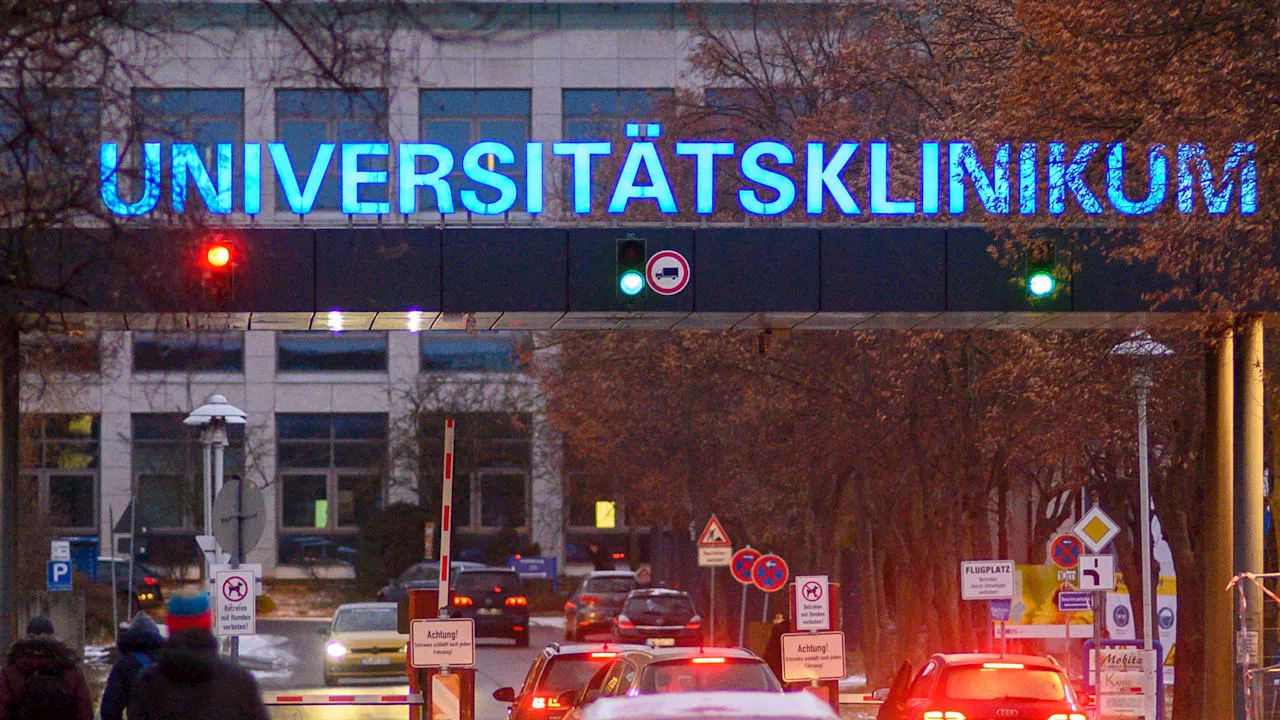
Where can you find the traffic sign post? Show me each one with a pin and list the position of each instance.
(714, 547)
(58, 576)
(812, 603)
(237, 606)
(740, 567)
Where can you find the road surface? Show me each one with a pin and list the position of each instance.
(498, 662)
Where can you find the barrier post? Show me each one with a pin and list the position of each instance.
(422, 606)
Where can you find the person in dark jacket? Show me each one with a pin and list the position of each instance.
(39, 664)
(773, 650)
(600, 558)
(139, 649)
(191, 682)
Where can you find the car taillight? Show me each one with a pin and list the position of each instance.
(150, 581)
(517, 601)
(589, 599)
(570, 607)
(1068, 716)
(1002, 666)
(625, 623)
(694, 624)
(943, 715)
(603, 655)
(463, 601)
(545, 702)
(713, 661)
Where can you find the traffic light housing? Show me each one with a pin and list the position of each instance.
(215, 261)
(1041, 271)
(631, 256)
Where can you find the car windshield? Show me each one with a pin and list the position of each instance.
(477, 582)
(365, 620)
(659, 610)
(422, 572)
(609, 585)
(686, 676)
(570, 672)
(978, 682)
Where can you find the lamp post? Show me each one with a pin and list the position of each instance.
(1139, 344)
(213, 418)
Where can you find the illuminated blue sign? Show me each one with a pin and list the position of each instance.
(773, 177)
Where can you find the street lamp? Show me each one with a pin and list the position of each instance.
(213, 418)
(1140, 344)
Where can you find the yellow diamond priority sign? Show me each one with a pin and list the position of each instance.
(1096, 529)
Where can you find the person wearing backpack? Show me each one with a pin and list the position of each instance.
(139, 649)
(191, 682)
(41, 680)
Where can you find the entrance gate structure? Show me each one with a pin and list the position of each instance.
(754, 278)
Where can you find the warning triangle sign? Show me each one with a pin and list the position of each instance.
(713, 535)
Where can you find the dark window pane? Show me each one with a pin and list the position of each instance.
(462, 501)
(447, 102)
(71, 455)
(162, 502)
(357, 455)
(474, 581)
(502, 501)
(71, 500)
(356, 351)
(162, 426)
(206, 351)
(460, 351)
(503, 102)
(304, 501)
(71, 427)
(303, 455)
(360, 426)
(297, 426)
(59, 354)
(359, 498)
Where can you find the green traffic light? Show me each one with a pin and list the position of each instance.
(631, 283)
(1041, 283)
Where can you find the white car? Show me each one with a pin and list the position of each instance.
(712, 706)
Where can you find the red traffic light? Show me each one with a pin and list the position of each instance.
(218, 255)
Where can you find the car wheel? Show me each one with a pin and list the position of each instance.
(522, 638)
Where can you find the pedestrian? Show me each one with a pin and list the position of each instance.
(773, 649)
(190, 681)
(600, 558)
(139, 649)
(41, 680)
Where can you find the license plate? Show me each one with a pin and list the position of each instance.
(376, 661)
(488, 611)
(663, 642)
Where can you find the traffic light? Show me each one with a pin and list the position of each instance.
(216, 259)
(629, 268)
(1041, 271)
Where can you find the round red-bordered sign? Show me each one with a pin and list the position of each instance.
(1065, 551)
(770, 573)
(667, 272)
(740, 565)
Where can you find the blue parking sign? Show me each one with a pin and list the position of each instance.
(59, 576)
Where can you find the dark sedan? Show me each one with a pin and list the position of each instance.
(495, 599)
(659, 616)
(146, 581)
(596, 603)
(421, 576)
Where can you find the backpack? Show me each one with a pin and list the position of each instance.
(45, 695)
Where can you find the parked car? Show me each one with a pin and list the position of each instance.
(661, 615)
(421, 576)
(363, 642)
(596, 603)
(712, 706)
(559, 669)
(982, 686)
(657, 671)
(146, 581)
(495, 599)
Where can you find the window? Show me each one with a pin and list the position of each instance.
(458, 119)
(60, 461)
(59, 353)
(600, 115)
(168, 467)
(331, 480)
(491, 466)
(683, 676)
(307, 118)
(978, 682)
(190, 352)
(463, 352)
(318, 352)
(204, 118)
(48, 143)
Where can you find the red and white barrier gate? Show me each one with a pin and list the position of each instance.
(286, 700)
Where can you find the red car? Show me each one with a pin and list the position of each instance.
(983, 687)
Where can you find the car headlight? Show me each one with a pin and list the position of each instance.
(335, 649)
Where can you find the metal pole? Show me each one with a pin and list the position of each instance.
(446, 522)
(115, 602)
(712, 637)
(206, 443)
(742, 619)
(219, 443)
(10, 417)
(133, 537)
(1219, 555)
(764, 616)
(1249, 486)
(1143, 383)
(1099, 612)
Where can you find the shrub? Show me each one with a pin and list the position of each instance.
(389, 543)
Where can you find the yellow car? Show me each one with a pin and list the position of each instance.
(363, 642)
